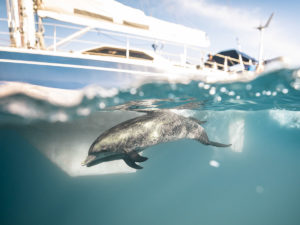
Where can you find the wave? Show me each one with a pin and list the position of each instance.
(23, 102)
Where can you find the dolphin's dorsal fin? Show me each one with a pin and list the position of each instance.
(190, 105)
(197, 121)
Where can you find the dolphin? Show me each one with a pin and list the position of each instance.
(127, 139)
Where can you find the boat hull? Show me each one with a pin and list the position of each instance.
(72, 72)
(75, 71)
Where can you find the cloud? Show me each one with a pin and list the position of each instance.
(242, 22)
(230, 17)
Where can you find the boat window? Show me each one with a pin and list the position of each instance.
(118, 52)
(139, 55)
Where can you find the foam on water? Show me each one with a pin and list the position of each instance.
(285, 118)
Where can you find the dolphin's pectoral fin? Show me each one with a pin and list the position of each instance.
(131, 163)
(197, 121)
(135, 157)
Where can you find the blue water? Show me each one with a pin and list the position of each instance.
(256, 181)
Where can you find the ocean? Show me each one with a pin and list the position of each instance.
(45, 134)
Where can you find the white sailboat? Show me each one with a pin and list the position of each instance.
(106, 43)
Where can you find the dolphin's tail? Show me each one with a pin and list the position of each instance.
(218, 144)
(88, 160)
(203, 138)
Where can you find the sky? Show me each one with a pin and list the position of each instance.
(225, 21)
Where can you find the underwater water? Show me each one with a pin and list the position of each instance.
(44, 138)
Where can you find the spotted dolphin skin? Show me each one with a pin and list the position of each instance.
(127, 139)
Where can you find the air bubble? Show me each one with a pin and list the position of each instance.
(231, 93)
(223, 89)
(200, 84)
(214, 163)
(133, 91)
(212, 91)
(206, 86)
(102, 105)
(248, 87)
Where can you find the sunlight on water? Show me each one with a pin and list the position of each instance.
(236, 135)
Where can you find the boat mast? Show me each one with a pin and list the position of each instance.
(27, 23)
(261, 44)
(21, 23)
(40, 42)
(239, 53)
(13, 23)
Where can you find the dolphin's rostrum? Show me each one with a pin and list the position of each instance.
(127, 139)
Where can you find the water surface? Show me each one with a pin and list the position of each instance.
(255, 181)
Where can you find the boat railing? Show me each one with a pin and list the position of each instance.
(75, 38)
